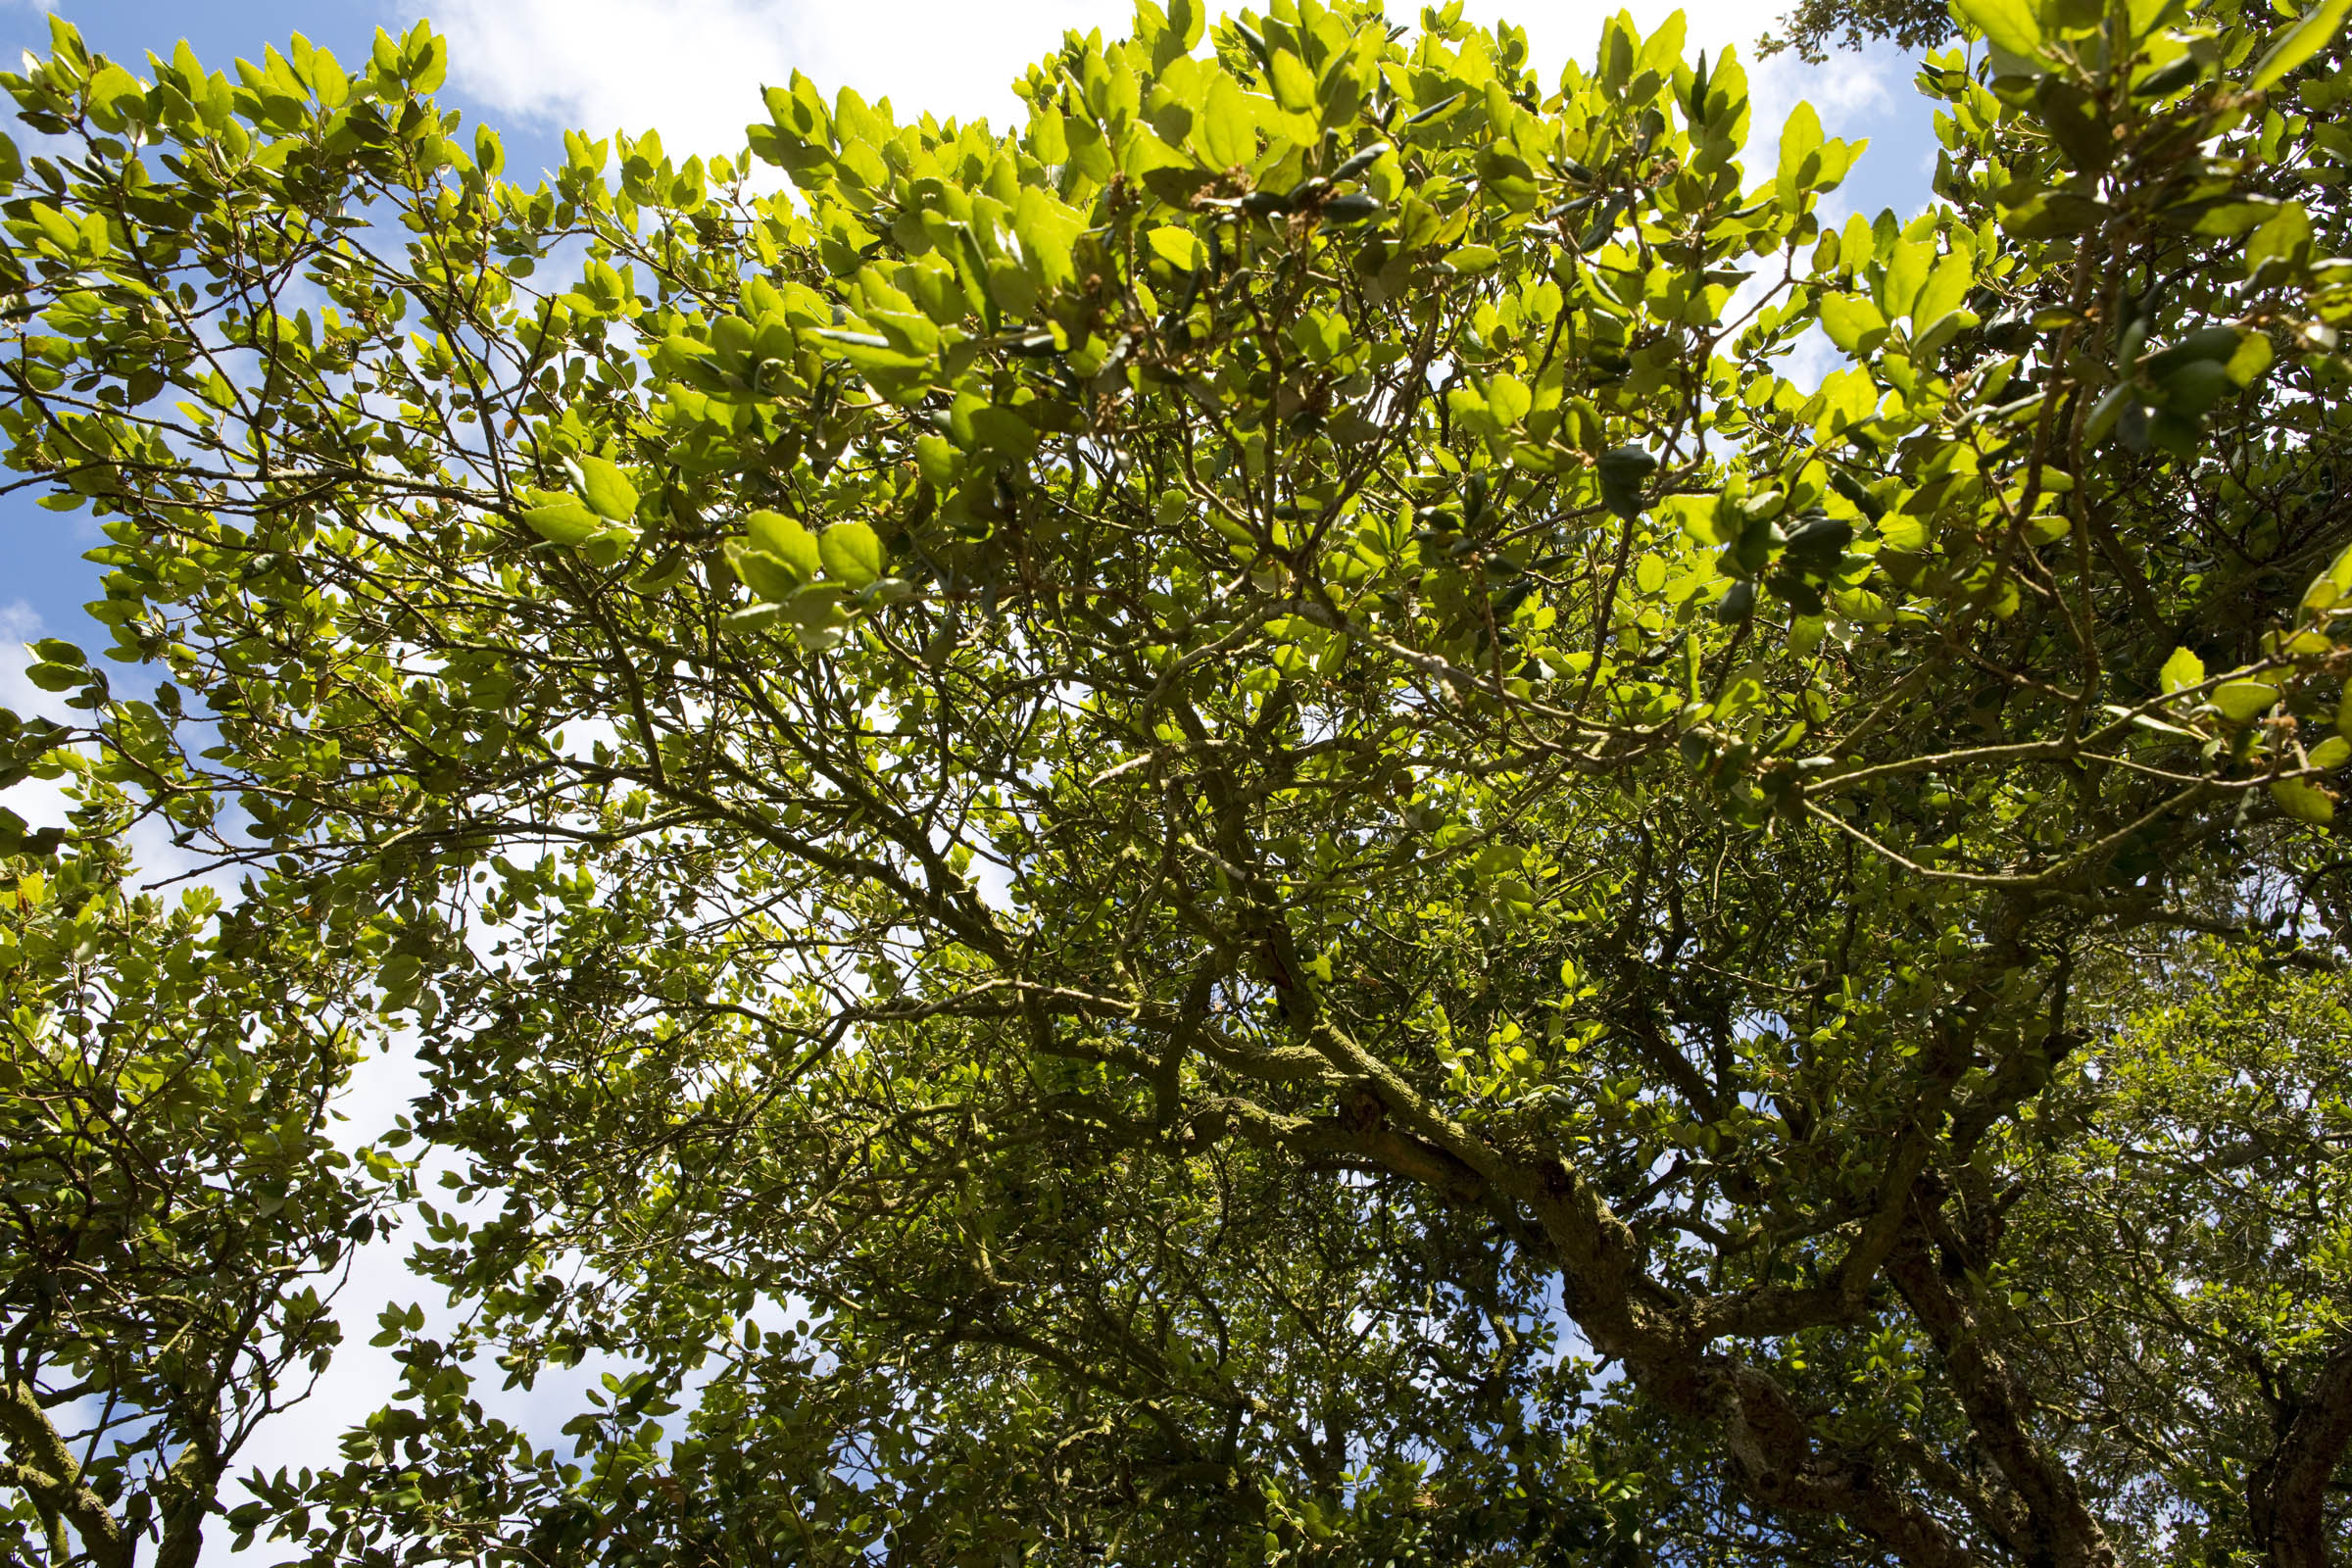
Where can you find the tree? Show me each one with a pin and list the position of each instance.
(1815, 26)
(175, 1214)
(1223, 830)
(2186, 1201)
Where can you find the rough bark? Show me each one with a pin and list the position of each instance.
(2288, 1491)
(45, 1468)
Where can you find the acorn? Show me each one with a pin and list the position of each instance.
(1361, 160)
(1738, 603)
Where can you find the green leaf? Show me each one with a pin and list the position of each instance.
(1945, 289)
(1225, 130)
(1800, 142)
(427, 72)
(2330, 587)
(1622, 470)
(2249, 360)
(2195, 387)
(1509, 398)
(1906, 275)
(2107, 412)
(2243, 700)
(1187, 18)
(816, 607)
(2180, 672)
(2304, 801)
(1004, 432)
(1339, 94)
(1854, 324)
(2331, 753)
(2054, 214)
(1293, 84)
(1179, 248)
(2297, 42)
(785, 539)
(1046, 231)
(563, 518)
(1698, 517)
(2228, 219)
(608, 493)
(115, 95)
(55, 677)
(2285, 237)
(764, 574)
(2009, 24)
(1049, 137)
(2076, 122)
(852, 554)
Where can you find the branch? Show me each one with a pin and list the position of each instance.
(2287, 1492)
(46, 1471)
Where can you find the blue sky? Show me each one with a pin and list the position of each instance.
(692, 68)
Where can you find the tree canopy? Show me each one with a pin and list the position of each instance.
(1346, 806)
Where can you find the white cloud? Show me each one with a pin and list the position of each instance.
(693, 69)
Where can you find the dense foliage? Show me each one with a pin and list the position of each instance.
(1227, 829)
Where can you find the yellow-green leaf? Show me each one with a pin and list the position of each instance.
(2242, 699)
(1945, 289)
(785, 539)
(852, 554)
(1853, 324)
(1224, 128)
(1696, 517)
(1178, 247)
(1906, 273)
(2010, 24)
(608, 493)
(2180, 672)
(563, 519)
(1293, 84)
(1800, 139)
(2330, 587)
(772, 579)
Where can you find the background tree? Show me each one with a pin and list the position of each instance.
(176, 1212)
(1814, 27)
(1235, 790)
(2186, 1201)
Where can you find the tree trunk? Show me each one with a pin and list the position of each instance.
(2287, 1493)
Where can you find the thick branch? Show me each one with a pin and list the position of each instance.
(45, 1468)
(2287, 1492)
(2060, 1529)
